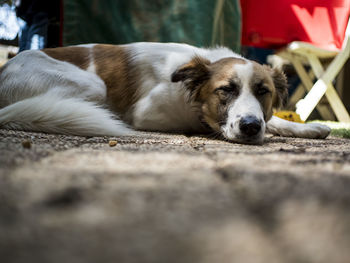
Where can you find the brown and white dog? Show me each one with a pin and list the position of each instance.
(113, 90)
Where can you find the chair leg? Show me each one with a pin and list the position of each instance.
(330, 92)
(340, 83)
(306, 79)
(296, 96)
(336, 104)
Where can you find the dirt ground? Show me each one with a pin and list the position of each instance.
(173, 198)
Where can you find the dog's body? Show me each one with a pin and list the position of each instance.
(149, 86)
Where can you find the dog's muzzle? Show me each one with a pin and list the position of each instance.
(247, 129)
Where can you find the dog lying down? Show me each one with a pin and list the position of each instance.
(97, 89)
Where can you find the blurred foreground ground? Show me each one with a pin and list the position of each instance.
(173, 198)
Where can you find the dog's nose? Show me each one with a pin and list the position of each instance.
(250, 125)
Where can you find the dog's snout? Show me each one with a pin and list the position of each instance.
(250, 125)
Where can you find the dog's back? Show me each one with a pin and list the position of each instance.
(39, 93)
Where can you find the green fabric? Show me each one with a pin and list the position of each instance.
(196, 22)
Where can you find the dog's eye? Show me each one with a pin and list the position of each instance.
(224, 88)
(261, 88)
(230, 88)
(262, 91)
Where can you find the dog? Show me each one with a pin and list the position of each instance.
(113, 90)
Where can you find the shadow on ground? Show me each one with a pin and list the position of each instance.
(172, 198)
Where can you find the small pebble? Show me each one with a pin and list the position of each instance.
(26, 144)
(112, 143)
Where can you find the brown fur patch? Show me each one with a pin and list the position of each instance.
(113, 66)
(79, 56)
(275, 81)
(262, 81)
(281, 85)
(194, 74)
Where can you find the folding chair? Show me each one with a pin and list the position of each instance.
(320, 25)
(297, 52)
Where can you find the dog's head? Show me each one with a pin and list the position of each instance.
(236, 96)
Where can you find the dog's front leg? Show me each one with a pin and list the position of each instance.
(286, 128)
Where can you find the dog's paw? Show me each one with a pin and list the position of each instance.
(315, 131)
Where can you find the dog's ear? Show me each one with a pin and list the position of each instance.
(281, 85)
(193, 73)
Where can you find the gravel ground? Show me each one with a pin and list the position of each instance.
(173, 198)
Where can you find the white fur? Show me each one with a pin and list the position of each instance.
(245, 105)
(164, 109)
(52, 113)
(92, 67)
(286, 128)
(33, 73)
(91, 45)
